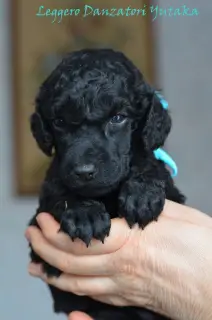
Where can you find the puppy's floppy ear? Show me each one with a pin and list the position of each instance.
(157, 125)
(41, 134)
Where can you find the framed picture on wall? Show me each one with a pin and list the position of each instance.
(39, 43)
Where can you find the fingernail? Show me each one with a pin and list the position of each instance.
(27, 235)
(34, 269)
(40, 218)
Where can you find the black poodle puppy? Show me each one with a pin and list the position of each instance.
(100, 121)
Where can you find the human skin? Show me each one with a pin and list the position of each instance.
(167, 267)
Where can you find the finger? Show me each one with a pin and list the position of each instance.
(76, 315)
(66, 262)
(181, 212)
(78, 285)
(119, 234)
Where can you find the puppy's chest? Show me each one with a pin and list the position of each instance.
(111, 204)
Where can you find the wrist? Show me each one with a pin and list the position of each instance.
(179, 276)
(179, 297)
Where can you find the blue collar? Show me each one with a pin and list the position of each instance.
(160, 154)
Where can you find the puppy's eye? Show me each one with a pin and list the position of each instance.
(58, 122)
(118, 118)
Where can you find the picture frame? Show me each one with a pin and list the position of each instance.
(39, 44)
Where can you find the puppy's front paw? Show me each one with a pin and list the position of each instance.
(86, 221)
(141, 202)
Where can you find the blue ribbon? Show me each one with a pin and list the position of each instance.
(159, 153)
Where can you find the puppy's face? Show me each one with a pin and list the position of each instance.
(90, 112)
(92, 141)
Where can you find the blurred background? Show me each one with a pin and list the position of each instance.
(175, 56)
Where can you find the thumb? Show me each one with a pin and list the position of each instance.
(76, 315)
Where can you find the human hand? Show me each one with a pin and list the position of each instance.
(140, 268)
(79, 316)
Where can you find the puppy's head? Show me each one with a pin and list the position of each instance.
(97, 112)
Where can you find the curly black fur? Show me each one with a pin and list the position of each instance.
(103, 122)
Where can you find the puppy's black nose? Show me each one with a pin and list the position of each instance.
(86, 172)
